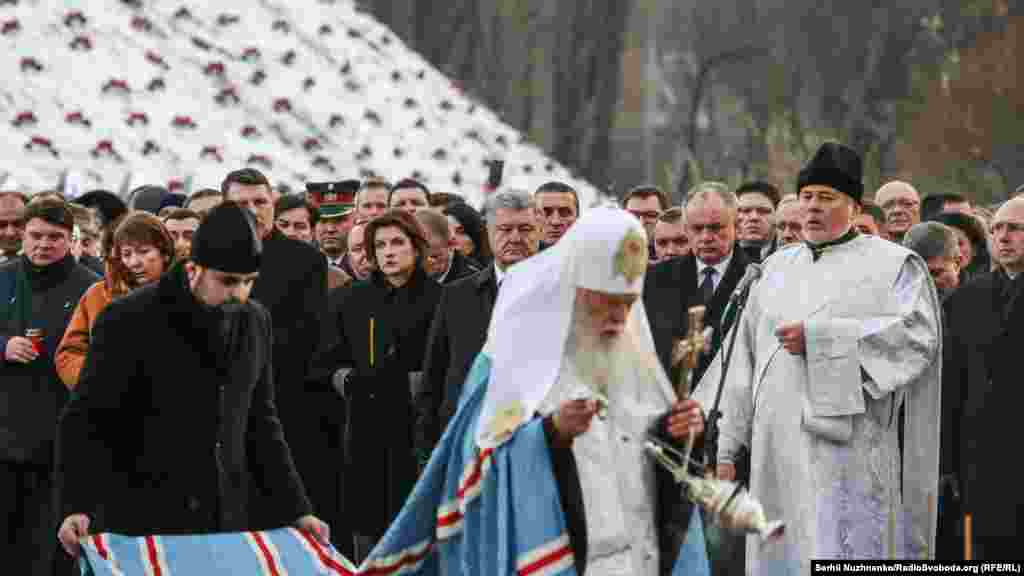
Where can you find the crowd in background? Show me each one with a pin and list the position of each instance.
(380, 295)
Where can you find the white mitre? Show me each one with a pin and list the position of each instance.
(604, 251)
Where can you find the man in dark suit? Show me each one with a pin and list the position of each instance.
(460, 324)
(986, 320)
(706, 277)
(174, 415)
(292, 285)
(38, 290)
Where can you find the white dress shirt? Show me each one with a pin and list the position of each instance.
(719, 268)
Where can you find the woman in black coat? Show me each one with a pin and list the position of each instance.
(383, 324)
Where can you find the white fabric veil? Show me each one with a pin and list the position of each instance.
(605, 251)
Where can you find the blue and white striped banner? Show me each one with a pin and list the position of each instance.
(282, 552)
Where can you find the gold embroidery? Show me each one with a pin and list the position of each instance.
(631, 259)
(505, 421)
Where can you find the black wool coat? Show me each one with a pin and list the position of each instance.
(986, 324)
(670, 289)
(380, 469)
(173, 421)
(461, 267)
(457, 335)
(292, 286)
(31, 395)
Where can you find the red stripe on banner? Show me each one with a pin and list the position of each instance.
(325, 558)
(154, 559)
(544, 561)
(472, 480)
(101, 548)
(262, 545)
(449, 519)
(474, 477)
(401, 563)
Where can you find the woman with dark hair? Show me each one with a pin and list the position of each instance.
(382, 333)
(973, 240)
(140, 251)
(469, 232)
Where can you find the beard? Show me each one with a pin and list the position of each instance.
(601, 363)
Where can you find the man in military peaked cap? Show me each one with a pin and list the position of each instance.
(175, 417)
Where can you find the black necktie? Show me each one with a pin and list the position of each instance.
(707, 286)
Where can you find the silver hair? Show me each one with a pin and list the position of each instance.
(509, 200)
(931, 239)
(700, 193)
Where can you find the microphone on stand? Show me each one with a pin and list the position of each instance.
(752, 274)
(738, 299)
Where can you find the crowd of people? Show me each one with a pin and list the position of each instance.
(238, 359)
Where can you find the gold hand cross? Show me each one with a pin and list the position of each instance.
(687, 351)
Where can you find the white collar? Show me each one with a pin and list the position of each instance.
(720, 268)
(442, 277)
(499, 274)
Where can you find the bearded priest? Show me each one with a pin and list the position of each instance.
(542, 471)
(834, 387)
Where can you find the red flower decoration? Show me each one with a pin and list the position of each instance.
(81, 43)
(10, 27)
(141, 23)
(183, 122)
(116, 84)
(25, 118)
(137, 118)
(282, 105)
(30, 63)
(259, 159)
(211, 152)
(214, 69)
(74, 17)
(77, 118)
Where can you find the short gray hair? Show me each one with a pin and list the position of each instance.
(508, 200)
(700, 193)
(931, 239)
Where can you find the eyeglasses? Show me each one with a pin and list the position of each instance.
(645, 215)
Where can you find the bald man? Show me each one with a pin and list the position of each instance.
(986, 325)
(789, 220)
(901, 204)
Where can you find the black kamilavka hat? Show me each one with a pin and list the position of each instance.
(227, 241)
(836, 166)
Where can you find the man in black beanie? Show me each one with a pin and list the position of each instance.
(839, 333)
(174, 418)
(292, 286)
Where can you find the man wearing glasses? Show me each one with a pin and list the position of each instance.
(902, 207)
(647, 203)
